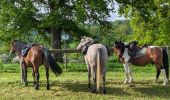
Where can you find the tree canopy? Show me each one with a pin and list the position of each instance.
(150, 20)
(19, 18)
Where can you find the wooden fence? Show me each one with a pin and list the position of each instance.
(65, 51)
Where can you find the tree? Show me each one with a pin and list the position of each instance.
(150, 20)
(19, 17)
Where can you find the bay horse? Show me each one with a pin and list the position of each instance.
(95, 57)
(38, 55)
(153, 54)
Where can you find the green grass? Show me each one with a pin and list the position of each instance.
(72, 85)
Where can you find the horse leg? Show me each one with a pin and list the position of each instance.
(89, 75)
(47, 77)
(33, 75)
(25, 75)
(126, 67)
(22, 71)
(89, 71)
(130, 74)
(104, 80)
(36, 78)
(157, 74)
(94, 80)
(164, 76)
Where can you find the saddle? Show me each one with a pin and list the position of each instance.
(135, 51)
(84, 51)
(85, 48)
(26, 48)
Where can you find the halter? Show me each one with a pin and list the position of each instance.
(85, 43)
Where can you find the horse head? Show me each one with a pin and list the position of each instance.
(119, 49)
(16, 46)
(132, 45)
(13, 48)
(83, 42)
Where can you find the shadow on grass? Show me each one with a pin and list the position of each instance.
(81, 87)
(154, 90)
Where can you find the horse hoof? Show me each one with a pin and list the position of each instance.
(156, 81)
(26, 84)
(89, 86)
(94, 91)
(34, 83)
(36, 87)
(125, 82)
(164, 84)
(104, 91)
(48, 87)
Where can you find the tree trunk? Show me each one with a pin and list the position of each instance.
(56, 43)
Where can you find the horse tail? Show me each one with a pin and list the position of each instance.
(99, 67)
(166, 63)
(53, 65)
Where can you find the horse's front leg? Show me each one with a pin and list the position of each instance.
(126, 68)
(25, 74)
(89, 72)
(21, 69)
(89, 76)
(130, 73)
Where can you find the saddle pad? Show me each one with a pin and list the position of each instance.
(141, 52)
(26, 48)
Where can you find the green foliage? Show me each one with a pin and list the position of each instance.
(117, 30)
(150, 20)
(20, 18)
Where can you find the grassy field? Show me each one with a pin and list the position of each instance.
(72, 85)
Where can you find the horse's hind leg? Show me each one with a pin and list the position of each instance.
(157, 74)
(47, 73)
(104, 80)
(47, 77)
(126, 67)
(164, 75)
(36, 78)
(94, 80)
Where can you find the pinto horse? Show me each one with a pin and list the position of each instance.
(153, 54)
(36, 56)
(95, 57)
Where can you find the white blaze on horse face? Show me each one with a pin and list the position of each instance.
(126, 56)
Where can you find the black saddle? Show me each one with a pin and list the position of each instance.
(26, 48)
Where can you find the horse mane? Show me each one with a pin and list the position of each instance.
(19, 46)
(19, 41)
